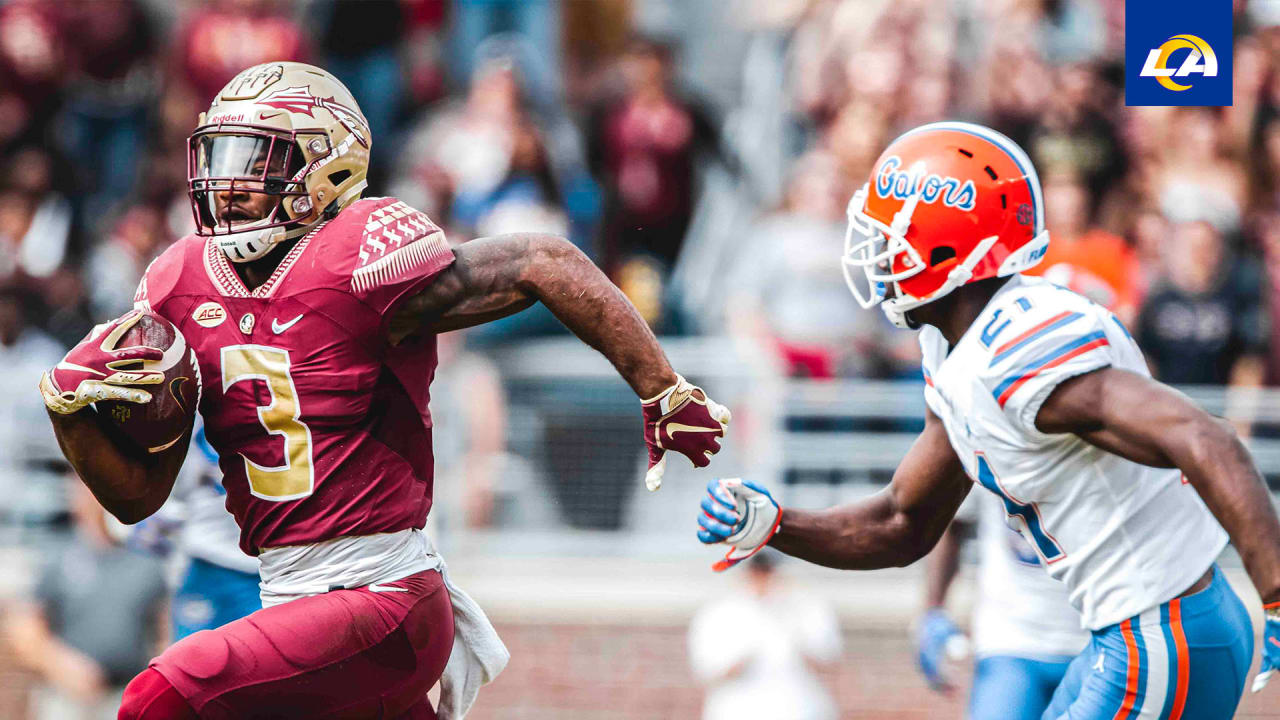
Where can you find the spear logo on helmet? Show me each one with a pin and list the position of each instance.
(300, 100)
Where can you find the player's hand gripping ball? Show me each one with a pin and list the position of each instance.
(681, 418)
(138, 371)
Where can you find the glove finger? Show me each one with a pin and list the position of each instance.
(137, 352)
(707, 538)
(714, 527)
(103, 391)
(712, 507)
(1261, 679)
(758, 488)
(722, 495)
(131, 377)
(699, 459)
(653, 477)
(719, 412)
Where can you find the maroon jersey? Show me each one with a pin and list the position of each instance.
(321, 426)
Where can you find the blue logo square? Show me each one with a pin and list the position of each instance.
(1177, 52)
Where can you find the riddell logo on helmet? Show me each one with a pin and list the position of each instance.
(932, 187)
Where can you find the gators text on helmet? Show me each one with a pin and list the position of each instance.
(947, 204)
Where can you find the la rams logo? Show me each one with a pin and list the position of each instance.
(932, 187)
(1200, 59)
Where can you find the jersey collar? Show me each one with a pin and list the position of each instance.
(225, 279)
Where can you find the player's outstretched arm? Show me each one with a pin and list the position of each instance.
(497, 276)
(493, 277)
(894, 527)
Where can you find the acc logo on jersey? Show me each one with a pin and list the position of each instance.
(1157, 64)
(209, 314)
(932, 187)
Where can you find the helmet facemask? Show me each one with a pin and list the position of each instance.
(886, 258)
(247, 187)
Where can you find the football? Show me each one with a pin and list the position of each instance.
(158, 424)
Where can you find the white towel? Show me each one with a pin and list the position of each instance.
(478, 654)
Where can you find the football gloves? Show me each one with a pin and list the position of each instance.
(1270, 646)
(740, 514)
(681, 418)
(98, 370)
(937, 641)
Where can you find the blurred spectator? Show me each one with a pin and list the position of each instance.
(358, 41)
(32, 62)
(137, 237)
(789, 291)
(1075, 243)
(1197, 180)
(469, 409)
(36, 220)
(1204, 321)
(108, 96)
(643, 146)
(31, 464)
(481, 166)
(538, 21)
(223, 37)
(97, 617)
(756, 649)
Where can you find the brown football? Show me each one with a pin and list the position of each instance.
(159, 423)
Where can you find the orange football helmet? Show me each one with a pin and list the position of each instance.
(947, 204)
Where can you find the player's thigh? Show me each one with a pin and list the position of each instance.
(1219, 641)
(343, 654)
(1013, 688)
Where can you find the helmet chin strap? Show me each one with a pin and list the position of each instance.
(896, 308)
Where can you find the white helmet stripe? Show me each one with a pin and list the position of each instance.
(1002, 141)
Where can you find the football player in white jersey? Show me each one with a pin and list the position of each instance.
(1025, 632)
(1121, 484)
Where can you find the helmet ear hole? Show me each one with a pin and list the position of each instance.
(338, 177)
(940, 255)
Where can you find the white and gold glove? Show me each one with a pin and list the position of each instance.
(97, 370)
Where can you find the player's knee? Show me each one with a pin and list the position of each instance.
(149, 696)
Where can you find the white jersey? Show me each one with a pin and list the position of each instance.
(1123, 537)
(1020, 610)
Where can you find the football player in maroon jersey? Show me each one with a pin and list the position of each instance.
(313, 315)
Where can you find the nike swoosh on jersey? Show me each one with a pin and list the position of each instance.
(674, 428)
(383, 588)
(277, 328)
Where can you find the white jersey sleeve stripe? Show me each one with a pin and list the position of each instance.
(1031, 335)
(1075, 348)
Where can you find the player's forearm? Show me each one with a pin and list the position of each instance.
(1217, 464)
(866, 535)
(125, 483)
(561, 277)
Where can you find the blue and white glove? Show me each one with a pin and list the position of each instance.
(1270, 647)
(939, 640)
(740, 514)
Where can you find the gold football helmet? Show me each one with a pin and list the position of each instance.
(283, 147)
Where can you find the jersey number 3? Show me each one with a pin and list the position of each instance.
(296, 477)
(1049, 549)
